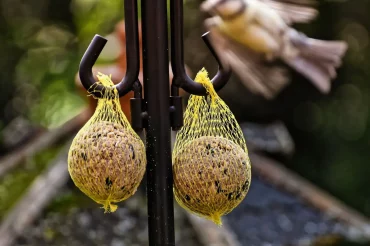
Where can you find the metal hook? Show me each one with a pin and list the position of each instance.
(180, 78)
(132, 50)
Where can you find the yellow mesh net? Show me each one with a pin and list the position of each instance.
(107, 158)
(211, 167)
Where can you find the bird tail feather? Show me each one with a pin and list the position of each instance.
(317, 59)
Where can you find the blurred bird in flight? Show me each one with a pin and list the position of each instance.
(248, 35)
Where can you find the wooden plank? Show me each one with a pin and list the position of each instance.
(282, 177)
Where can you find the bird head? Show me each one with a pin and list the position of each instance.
(224, 8)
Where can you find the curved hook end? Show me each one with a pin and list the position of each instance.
(219, 80)
(99, 38)
(88, 60)
(207, 41)
(224, 73)
(205, 34)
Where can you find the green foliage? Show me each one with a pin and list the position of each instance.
(95, 16)
(45, 74)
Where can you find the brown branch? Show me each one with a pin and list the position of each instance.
(37, 197)
(281, 176)
(43, 141)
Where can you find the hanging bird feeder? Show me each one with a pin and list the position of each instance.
(161, 107)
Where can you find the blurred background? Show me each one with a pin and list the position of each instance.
(42, 44)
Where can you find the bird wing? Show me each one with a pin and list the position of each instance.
(294, 11)
(249, 66)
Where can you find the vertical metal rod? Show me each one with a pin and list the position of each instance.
(158, 132)
(177, 40)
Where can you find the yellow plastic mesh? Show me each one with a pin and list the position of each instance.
(211, 167)
(107, 158)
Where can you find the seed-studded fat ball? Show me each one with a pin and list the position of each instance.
(107, 162)
(211, 176)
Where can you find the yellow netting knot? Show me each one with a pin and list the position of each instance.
(107, 92)
(105, 80)
(109, 207)
(216, 218)
(202, 78)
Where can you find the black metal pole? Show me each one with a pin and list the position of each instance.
(158, 132)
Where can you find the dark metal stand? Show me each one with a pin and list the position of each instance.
(158, 111)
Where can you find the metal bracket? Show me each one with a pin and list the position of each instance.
(132, 50)
(154, 112)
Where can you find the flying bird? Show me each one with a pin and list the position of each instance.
(250, 35)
